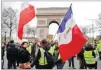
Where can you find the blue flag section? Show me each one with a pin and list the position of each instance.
(65, 19)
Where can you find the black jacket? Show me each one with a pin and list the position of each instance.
(24, 55)
(12, 52)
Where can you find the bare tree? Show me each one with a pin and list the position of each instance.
(9, 20)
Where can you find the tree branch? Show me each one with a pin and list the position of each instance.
(6, 24)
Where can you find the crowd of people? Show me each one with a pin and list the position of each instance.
(45, 55)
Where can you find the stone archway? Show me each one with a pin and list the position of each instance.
(46, 16)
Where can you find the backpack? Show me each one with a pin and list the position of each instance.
(50, 58)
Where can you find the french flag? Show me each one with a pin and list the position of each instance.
(70, 38)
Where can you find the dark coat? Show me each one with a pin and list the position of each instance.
(24, 55)
(12, 52)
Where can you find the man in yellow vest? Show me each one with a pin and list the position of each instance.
(89, 57)
(41, 61)
(99, 49)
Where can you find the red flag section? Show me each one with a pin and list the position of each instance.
(26, 15)
(72, 48)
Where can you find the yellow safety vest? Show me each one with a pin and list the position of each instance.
(89, 59)
(52, 49)
(99, 47)
(29, 49)
(42, 60)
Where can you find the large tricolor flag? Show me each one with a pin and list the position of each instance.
(70, 38)
(27, 14)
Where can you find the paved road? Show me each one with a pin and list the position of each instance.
(76, 62)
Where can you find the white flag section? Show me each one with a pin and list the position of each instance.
(70, 38)
(66, 36)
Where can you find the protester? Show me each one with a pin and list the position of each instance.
(12, 55)
(2, 54)
(24, 57)
(80, 57)
(18, 47)
(89, 56)
(43, 59)
(33, 49)
(71, 62)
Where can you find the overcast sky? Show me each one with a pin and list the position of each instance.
(82, 11)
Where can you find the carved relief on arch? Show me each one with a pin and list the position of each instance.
(42, 22)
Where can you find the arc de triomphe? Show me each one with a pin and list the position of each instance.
(46, 16)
